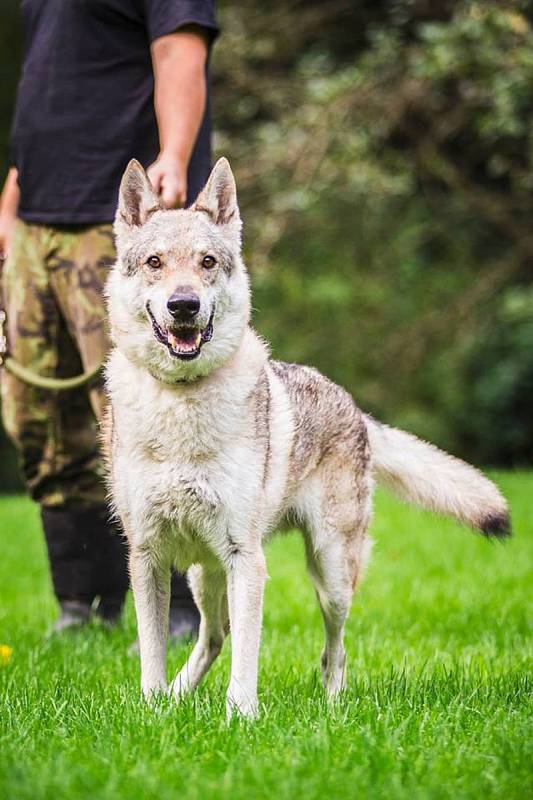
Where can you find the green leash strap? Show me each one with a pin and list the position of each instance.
(53, 384)
(40, 381)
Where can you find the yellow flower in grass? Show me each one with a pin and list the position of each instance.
(5, 654)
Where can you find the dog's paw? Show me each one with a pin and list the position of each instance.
(152, 693)
(180, 687)
(241, 704)
(333, 676)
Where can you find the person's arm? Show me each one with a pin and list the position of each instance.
(9, 201)
(179, 95)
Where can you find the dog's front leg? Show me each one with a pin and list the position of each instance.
(246, 582)
(150, 579)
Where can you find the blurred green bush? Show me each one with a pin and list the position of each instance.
(384, 159)
(383, 153)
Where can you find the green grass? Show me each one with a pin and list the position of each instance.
(438, 706)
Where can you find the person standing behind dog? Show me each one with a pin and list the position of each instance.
(102, 81)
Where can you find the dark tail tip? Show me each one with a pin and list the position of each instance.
(496, 525)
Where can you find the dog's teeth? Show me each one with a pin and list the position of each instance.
(184, 345)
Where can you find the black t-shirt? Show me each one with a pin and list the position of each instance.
(85, 103)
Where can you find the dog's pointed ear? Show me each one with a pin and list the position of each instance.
(218, 199)
(137, 200)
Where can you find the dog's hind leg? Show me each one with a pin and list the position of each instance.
(333, 583)
(336, 518)
(209, 590)
(150, 579)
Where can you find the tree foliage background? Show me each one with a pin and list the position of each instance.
(384, 156)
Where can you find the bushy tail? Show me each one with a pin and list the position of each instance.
(421, 473)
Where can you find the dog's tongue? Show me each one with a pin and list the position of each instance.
(185, 341)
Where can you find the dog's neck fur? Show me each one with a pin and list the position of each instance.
(205, 417)
(250, 345)
(237, 376)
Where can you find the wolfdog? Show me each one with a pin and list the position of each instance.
(211, 444)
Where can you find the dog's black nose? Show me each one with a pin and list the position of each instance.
(184, 305)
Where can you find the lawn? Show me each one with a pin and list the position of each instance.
(438, 705)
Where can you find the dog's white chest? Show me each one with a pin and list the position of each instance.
(189, 467)
(182, 493)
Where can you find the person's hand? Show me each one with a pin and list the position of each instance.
(9, 200)
(7, 225)
(168, 176)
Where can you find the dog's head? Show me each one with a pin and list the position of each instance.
(178, 296)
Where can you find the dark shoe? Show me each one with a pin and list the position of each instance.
(110, 609)
(73, 615)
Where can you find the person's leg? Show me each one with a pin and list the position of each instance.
(31, 329)
(77, 266)
(35, 419)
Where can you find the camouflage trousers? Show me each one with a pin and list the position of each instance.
(56, 326)
(53, 294)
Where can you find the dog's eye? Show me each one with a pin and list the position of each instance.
(154, 262)
(209, 262)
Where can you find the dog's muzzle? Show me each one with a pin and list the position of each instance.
(182, 341)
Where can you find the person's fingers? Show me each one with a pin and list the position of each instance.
(4, 248)
(173, 194)
(169, 184)
(155, 176)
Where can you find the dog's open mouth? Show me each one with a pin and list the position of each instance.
(185, 341)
